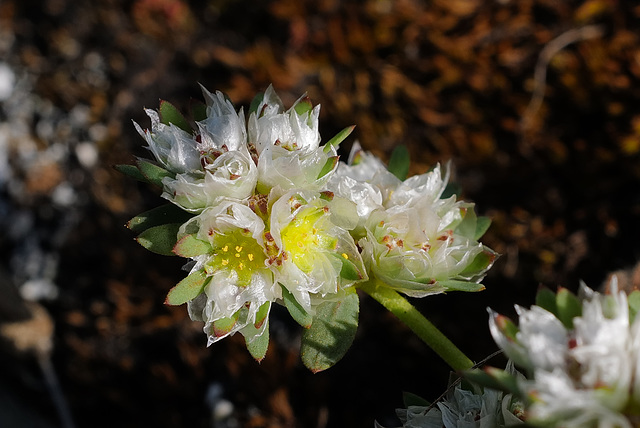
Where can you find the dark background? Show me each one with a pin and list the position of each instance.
(450, 79)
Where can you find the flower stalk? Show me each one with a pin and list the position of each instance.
(422, 327)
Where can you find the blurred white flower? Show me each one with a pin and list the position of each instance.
(584, 374)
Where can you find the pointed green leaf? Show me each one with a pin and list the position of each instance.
(223, 326)
(160, 239)
(349, 270)
(546, 299)
(255, 102)
(507, 327)
(258, 346)
(167, 213)
(457, 285)
(187, 289)
(198, 110)
(399, 162)
(153, 172)
(296, 311)
(481, 262)
(410, 399)
(482, 225)
(190, 246)
(261, 315)
(634, 305)
(569, 307)
(329, 165)
(467, 227)
(331, 333)
(170, 114)
(131, 171)
(303, 106)
(338, 138)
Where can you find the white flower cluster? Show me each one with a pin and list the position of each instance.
(461, 407)
(275, 212)
(583, 371)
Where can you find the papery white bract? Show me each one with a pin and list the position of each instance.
(583, 373)
(414, 243)
(287, 144)
(240, 282)
(172, 147)
(311, 232)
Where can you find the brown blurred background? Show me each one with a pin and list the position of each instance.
(552, 156)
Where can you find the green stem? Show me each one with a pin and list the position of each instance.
(421, 326)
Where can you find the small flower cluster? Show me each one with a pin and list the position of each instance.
(268, 214)
(469, 406)
(581, 356)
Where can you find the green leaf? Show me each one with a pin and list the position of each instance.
(349, 270)
(131, 171)
(569, 307)
(153, 172)
(296, 311)
(467, 227)
(546, 299)
(479, 263)
(399, 162)
(198, 110)
(482, 225)
(258, 346)
(410, 399)
(255, 103)
(303, 106)
(331, 333)
(328, 166)
(190, 246)
(457, 285)
(170, 114)
(223, 326)
(167, 213)
(160, 239)
(507, 327)
(187, 289)
(338, 138)
(634, 305)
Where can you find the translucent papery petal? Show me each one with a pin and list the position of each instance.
(172, 147)
(423, 187)
(544, 337)
(366, 197)
(412, 249)
(415, 417)
(271, 103)
(556, 399)
(223, 132)
(604, 345)
(227, 216)
(288, 130)
(278, 167)
(223, 125)
(514, 350)
(311, 245)
(232, 175)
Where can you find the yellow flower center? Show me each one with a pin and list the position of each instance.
(236, 251)
(303, 240)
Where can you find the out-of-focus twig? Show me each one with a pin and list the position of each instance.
(540, 72)
(34, 336)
